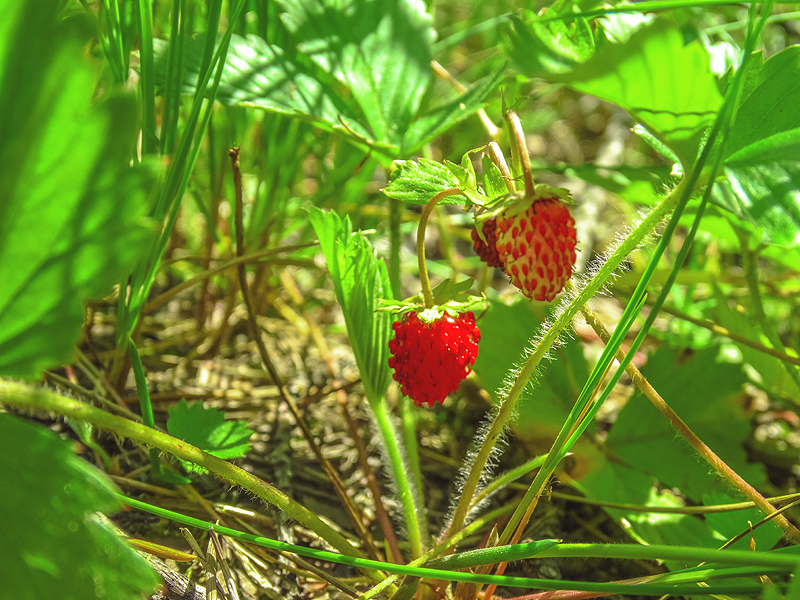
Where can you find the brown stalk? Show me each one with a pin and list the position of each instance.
(350, 507)
(714, 328)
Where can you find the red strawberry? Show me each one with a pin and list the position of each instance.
(431, 359)
(487, 250)
(536, 242)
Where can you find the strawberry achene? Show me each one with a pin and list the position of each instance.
(536, 242)
(487, 251)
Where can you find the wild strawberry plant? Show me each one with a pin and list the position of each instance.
(258, 137)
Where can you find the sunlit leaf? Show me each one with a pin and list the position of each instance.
(53, 545)
(619, 483)
(765, 178)
(417, 181)
(727, 525)
(770, 103)
(260, 74)
(663, 84)
(380, 51)
(542, 48)
(70, 219)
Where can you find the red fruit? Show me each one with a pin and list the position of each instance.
(536, 242)
(487, 250)
(431, 359)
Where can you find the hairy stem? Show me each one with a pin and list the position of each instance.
(423, 222)
(628, 244)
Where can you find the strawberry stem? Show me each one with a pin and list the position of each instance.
(423, 222)
(519, 151)
(497, 157)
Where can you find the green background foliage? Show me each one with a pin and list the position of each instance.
(54, 546)
(322, 97)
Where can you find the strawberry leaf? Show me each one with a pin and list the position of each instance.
(360, 280)
(762, 166)
(207, 429)
(543, 48)
(380, 52)
(645, 440)
(765, 177)
(770, 103)
(417, 181)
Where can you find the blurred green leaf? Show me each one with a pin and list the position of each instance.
(645, 440)
(70, 219)
(765, 179)
(665, 85)
(727, 525)
(542, 48)
(434, 123)
(53, 545)
(614, 482)
(207, 429)
(417, 181)
(360, 280)
(639, 185)
(770, 103)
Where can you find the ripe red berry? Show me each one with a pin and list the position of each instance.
(431, 359)
(536, 242)
(487, 250)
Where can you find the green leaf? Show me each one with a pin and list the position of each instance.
(433, 124)
(665, 85)
(53, 545)
(540, 49)
(417, 181)
(614, 482)
(207, 429)
(765, 177)
(360, 280)
(70, 219)
(727, 525)
(770, 103)
(380, 51)
(260, 74)
(703, 392)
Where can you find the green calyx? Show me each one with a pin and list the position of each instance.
(449, 298)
